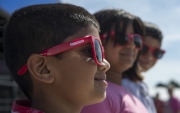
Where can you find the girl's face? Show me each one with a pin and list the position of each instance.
(121, 58)
(146, 61)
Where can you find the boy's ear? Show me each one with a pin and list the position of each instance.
(37, 67)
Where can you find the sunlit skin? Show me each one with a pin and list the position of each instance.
(120, 58)
(147, 61)
(70, 83)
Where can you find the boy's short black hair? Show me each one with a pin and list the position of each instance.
(109, 17)
(153, 31)
(38, 27)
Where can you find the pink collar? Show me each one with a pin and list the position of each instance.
(23, 106)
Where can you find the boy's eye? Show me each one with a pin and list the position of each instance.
(88, 50)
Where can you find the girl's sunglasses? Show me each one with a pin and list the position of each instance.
(123, 41)
(156, 52)
(97, 50)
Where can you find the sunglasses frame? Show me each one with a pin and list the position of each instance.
(67, 46)
(152, 49)
(130, 37)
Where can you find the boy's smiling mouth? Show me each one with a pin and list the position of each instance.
(101, 79)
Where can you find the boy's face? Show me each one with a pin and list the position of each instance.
(78, 78)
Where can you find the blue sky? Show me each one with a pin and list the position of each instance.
(164, 13)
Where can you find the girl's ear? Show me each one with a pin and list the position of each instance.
(37, 66)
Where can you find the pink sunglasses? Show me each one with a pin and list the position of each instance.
(97, 50)
(156, 52)
(123, 41)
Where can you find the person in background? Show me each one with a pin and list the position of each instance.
(122, 35)
(173, 104)
(150, 53)
(159, 104)
(56, 57)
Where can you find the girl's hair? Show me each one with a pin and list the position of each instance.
(120, 19)
(153, 31)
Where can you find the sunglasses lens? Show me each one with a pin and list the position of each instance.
(158, 53)
(144, 50)
(98, 51)
(122, 41)
(138, 42)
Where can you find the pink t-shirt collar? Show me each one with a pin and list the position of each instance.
(23, 106)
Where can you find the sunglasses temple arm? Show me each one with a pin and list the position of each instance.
(22, 70)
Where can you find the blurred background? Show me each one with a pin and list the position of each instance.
(164, 13)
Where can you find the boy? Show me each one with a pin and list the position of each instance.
(55, 55)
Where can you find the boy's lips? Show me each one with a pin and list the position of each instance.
(100, 77)
(101, 80)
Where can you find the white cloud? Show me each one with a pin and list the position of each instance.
(163, 71)
(175, 37)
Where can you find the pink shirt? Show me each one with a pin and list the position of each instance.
(174, 104)
(118, 100)
(23, 106)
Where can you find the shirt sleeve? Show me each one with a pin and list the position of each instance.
(130, 87)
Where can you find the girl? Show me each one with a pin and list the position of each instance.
(150, 53)
(121, 34)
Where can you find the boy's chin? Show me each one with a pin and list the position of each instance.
(98, 99)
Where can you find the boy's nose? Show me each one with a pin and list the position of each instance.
(105, 66)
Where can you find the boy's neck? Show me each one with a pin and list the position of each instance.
(54, 105)
(114, 77)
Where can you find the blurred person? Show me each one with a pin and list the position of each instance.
(173, 104)
(121, 35)
(55, 55)
(159, 104)
(150, 53)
